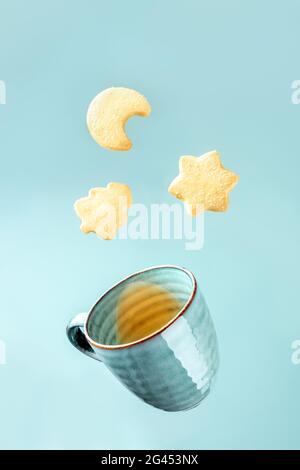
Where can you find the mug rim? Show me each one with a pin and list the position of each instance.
(156, 332)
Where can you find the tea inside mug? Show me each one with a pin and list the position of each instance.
(144, 308)
(139, 306)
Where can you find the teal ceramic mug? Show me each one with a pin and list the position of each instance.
(172, 367)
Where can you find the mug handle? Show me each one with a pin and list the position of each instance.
(75, 333)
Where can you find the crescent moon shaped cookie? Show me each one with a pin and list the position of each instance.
(108, 113)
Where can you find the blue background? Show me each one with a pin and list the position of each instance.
(218, 75)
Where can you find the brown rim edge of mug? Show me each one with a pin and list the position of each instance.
(155, 333)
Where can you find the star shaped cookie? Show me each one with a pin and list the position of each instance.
(203, 183)
(104, 210)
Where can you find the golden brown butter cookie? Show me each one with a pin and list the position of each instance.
(203, 183)
(108, 112)
(104, 210)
